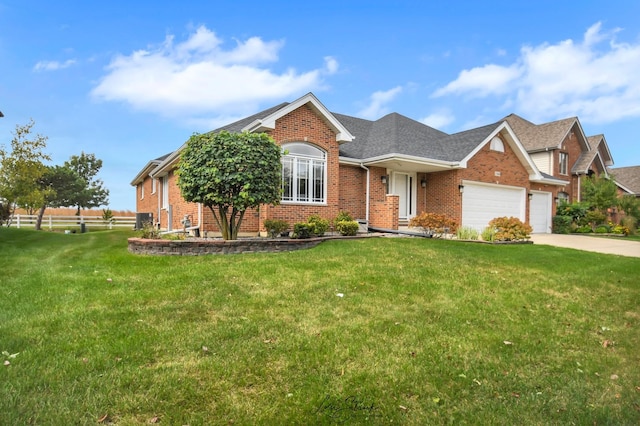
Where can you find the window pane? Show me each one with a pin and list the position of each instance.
(287, 179)
(303, 180)
(318, 181)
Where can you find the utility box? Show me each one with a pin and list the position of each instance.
(142, 218)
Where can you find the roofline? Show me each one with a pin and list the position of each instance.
(146, 171)
(404, 157)
(162, 167)
(624, 188)
(551, 181)
(269, 122)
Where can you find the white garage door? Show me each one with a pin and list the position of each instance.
(540, 212)
(483, 202)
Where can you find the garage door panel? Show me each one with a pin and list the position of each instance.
(540, 212)
(481, 203)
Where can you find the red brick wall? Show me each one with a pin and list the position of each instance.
(148, 204)
(353, 191)
(384, 214)
(571, 146)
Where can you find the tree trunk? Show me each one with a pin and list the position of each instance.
(39, 220)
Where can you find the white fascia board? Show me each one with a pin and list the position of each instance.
(515, 145)
(548, 181)
(410, 159)
(624, 188)
(146, 171)
(269, 122)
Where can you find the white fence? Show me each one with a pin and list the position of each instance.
(55, 221)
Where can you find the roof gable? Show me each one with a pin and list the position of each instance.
(546, 136)
(268, 122)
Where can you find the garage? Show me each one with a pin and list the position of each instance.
(540, 212)
(482, 202)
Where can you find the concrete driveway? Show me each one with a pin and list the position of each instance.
(617, 246)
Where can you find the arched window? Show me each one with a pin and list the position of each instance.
(497, 144)
(304, 174)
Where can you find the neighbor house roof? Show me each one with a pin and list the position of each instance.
(541, 137)
(628, 178)
(587, 158)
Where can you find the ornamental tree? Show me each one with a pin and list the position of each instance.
(21, 168)
(93, 193)
(230, 173)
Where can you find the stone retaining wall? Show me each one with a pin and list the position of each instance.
(197, 247)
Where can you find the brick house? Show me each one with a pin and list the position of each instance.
(385, 172)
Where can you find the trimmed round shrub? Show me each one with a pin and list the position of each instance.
(347, 227)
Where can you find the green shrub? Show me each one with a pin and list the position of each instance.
(344, 216)
(584, 229)
(275, 227)
(149, 231)
(562, 224)
(595, 218)
(434, 224)
(488, 234)
(621, 230)
(510, 229)
(467, 233)
(178, 236)
(303, 230)
(320, 225)
(347, 227)
(630, 223)
(575, 211)
(602, 229)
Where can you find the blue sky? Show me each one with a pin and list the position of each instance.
(132, 80)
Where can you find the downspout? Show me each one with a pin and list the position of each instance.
(200, 219)
(367, 194)
(579, 189)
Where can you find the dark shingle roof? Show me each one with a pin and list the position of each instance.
(629, 177)
(237, 126)
(397, 134)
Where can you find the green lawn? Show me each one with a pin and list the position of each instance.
(371, 331)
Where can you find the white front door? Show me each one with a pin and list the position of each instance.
(404, 188)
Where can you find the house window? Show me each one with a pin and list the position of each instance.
(497, 145)
(165, 192)
(563, 197)
(563, 160)
(142, 191)
(304, 174)
(153, 185)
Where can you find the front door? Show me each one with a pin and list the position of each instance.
(404, 188)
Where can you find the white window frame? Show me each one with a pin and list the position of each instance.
(153, 185)
(142, 190)
(309, 166)
(165, 192)
(563, 163)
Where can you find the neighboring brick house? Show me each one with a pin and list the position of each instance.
(385, 172)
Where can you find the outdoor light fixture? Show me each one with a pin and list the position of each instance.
(461, 188)
(423, 183)
(530, 195)
(383, 179)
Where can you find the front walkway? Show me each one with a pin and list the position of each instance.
(617, 245)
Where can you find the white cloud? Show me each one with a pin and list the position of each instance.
(200, 77)
(377, 103)
(595, 79)
(439, 119)
(481, 81)
(53, 65)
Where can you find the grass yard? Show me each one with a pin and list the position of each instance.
(372, 331)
